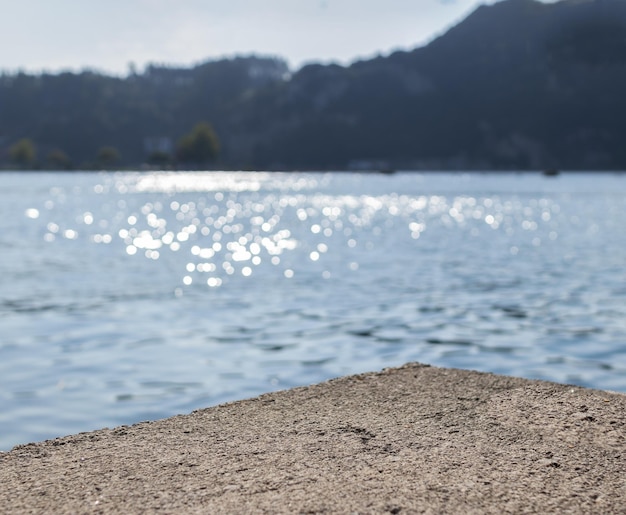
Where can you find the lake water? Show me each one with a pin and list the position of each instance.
(135, 296)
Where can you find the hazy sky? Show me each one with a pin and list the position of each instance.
(107, 35)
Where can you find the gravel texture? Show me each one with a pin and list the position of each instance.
(415, 439)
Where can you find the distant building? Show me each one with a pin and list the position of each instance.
(158, 144)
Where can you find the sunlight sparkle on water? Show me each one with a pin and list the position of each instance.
(291, 278)
(225, 227)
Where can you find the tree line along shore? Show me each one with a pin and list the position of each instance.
(517, 85)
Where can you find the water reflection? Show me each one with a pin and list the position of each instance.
(235, 231)
(144, 295)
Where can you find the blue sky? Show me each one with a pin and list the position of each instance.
(55, 35)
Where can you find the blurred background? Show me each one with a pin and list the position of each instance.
(323, 85)
(202, 201)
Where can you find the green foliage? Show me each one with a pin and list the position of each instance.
(58, 160)
(108, 156)
(79, 112)
(198, 147)
(23, 153)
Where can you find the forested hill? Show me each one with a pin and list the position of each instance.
(516, 85)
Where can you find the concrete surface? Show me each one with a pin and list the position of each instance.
(415, 439)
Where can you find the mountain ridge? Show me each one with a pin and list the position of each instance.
(518, 84)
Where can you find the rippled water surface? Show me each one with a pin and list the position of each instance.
(135, 296)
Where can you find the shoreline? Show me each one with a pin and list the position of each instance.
(340, 170)
(405, 440)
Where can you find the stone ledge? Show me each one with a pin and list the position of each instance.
(414, 439)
